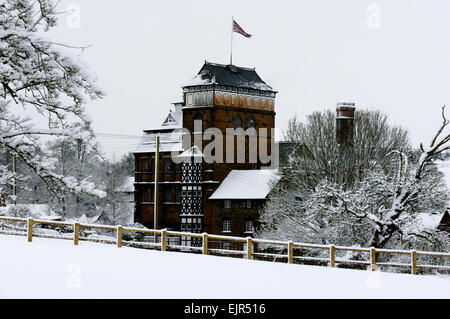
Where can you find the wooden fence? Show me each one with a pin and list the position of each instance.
(248, 244)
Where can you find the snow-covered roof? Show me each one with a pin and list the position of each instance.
(83, 219)
(194, 151)
(169, 132)
(200, 79)
(168, 142)
(228, 75)
(429, 220)
(247, 184)
(128, 185)
(173, 120)
(38, 211)
(423, 221)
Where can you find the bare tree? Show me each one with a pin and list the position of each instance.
(393, 185)
(318, 156)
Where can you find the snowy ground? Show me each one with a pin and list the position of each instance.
(49, 268)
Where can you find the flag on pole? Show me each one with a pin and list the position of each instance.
(238, 29)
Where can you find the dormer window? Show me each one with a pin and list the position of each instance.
(237, 123)
(251, 123)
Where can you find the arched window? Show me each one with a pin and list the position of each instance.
(251, 122)
(237, 123)
(198, 123)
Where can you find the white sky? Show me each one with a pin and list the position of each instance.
(315, 53)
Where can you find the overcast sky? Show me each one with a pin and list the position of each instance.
(387, 55)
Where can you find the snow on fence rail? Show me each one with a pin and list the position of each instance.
(247, 250)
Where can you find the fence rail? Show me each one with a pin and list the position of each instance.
(247, 251)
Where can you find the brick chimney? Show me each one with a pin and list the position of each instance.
(345, 114)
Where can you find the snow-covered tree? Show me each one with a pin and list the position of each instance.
(114, 178)
(38, 76)
(380, 206)
(74, 158)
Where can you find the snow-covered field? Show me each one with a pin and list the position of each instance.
(49, 268)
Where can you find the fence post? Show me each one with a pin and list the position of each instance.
(119, 235)
(76, 230)
(163, 239)
(290, 252)
(414, 262)
(30, 229)
(249, 247)
(373, 258)
(332, 255)
(205, 243)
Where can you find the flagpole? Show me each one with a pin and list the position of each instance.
(231, 51)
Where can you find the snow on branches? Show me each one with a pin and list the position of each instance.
(38, 76)
(381, 207)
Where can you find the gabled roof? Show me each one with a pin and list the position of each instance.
(193, 152)
(172, 121)
(168, 142)
(169, 132)
(247, 184)
(228, 75)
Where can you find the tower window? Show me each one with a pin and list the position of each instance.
(198, 124)
(251, 122)
(167, 165)
(197, 98)
(218, 98)
(189, 99)
(237, 123)
(146, 195)
(249, 203)
(144, 163)
(168, 195)
(227, 203)
(226, 99)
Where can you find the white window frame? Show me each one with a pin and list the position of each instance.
(248, 229)
(226, 226)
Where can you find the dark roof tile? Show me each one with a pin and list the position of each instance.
(229, 75)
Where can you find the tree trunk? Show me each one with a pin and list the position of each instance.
(381, 237)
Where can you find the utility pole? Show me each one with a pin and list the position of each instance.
(155, 195)
(14, 180)
(80, 161)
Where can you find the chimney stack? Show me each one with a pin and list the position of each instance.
(345, 114)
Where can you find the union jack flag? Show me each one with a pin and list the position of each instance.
(238, 29)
